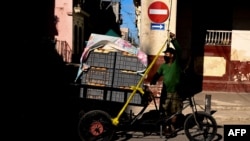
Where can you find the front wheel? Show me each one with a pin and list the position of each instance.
(200, 126)
(95, 125)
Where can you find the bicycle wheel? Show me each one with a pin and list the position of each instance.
(96, 125)
(204, 129)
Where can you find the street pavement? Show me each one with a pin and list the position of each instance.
(137, 136)
(231, 109)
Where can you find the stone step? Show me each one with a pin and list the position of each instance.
(230, 108)
(224, 104)
(227, 114)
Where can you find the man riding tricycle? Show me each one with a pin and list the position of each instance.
(107, 92)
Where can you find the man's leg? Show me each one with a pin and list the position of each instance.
(176, 107)
(168, 112)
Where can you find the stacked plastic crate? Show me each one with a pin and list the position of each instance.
(112, 69)
(126, 69)
(101, 68)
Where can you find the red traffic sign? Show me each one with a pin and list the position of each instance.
(158, 12)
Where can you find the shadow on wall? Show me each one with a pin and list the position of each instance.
(40, 105)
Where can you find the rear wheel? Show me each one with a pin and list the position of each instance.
(96, 125)
(204, 129)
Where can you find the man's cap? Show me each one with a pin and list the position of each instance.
(170, 50)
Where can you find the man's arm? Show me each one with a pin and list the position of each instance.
(175, 44)
(155, 78)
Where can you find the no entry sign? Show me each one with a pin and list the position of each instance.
(158, 12)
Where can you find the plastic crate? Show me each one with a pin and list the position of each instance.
(103, 94)
(110, 76)
(94, 94)
(128, 62)
(98, 76)
(116, 96)
(125, 79)
(101, 59)
(136, 99)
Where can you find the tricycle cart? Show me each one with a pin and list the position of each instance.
(106, 92)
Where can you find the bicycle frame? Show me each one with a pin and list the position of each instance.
(189, 102)
(92, 123)
(115, 120)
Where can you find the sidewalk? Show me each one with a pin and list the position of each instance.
(232, 108)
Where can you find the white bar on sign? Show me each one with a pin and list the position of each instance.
(158, 11)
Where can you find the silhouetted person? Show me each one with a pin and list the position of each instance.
(40, 105)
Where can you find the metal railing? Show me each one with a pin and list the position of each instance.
(64, 50)
(218, 37)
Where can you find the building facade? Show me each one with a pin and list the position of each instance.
(77, 19)
(70, 25)
(214, 36)
(125, 33)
